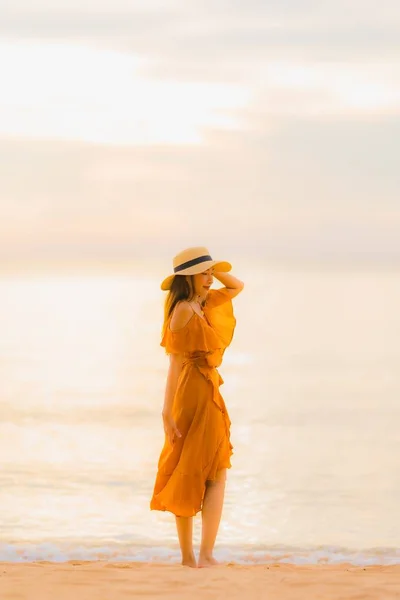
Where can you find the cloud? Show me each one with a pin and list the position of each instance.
(203, 32)
(58, 90)
(259, 128)
(158, 72)
(71, 91)
(310, 188)
(207, 40)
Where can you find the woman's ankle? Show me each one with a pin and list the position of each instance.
(207, 560)
(189, 559)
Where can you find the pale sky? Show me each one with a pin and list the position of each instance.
(258, 128)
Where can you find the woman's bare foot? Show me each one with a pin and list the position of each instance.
(207, 561)
(189, 561)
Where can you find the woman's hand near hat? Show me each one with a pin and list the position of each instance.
(232, 283)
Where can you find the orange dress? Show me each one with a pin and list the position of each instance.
(198, 409)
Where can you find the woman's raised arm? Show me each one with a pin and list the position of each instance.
(232, 283)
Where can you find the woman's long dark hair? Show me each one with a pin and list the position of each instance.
(182, 288)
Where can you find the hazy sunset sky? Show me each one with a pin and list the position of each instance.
(135, 128)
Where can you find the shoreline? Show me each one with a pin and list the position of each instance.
(57, 553)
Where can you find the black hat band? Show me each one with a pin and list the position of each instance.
(191, 263)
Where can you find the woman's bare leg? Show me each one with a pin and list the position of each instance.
(211, 517)
(184, 525)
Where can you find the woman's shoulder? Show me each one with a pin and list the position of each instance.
(181, 315)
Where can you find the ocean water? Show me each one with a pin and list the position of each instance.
(311, 383)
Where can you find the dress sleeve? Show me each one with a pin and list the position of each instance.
(174, 342)
(219, 312)
(217, 297)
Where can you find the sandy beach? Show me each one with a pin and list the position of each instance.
(84, 580)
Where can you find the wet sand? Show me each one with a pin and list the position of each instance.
(98, 580)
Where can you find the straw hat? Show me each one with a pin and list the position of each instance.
(192, 261)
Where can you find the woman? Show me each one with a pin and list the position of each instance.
(198, 326)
